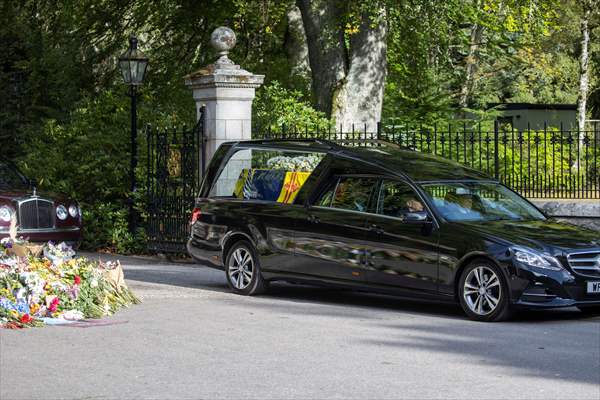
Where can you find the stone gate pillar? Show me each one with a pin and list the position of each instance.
(227, 91)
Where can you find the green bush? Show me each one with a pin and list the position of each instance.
(87, 157)
(105, 227)
(276, 107)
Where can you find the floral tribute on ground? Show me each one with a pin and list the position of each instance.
(46, 284)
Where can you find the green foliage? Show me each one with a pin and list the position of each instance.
(105, 227)
(88, 159)
(64, 114)
(276, 106)
(537, 161)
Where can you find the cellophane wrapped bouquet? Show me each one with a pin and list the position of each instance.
(56, 286)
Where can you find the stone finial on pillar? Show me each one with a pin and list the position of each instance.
(227, 91)
(223, 40)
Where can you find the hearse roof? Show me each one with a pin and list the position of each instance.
(388, 156)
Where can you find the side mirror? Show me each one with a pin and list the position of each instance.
(416, 217)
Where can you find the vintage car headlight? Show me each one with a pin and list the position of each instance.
(73, 211)
(6, 213)
(536, 259)
(61, 212)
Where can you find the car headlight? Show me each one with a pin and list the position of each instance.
(61, 212)
(535, 259)
(6, 213)
(73, 211)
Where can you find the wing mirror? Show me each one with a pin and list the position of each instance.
(416, 217)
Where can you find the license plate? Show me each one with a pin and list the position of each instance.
(593, 287)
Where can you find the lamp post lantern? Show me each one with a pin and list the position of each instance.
(133, 65)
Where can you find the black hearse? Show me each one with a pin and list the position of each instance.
(389, 220)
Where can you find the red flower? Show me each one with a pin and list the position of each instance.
(53, 305)
(25, 319)
(77, 280)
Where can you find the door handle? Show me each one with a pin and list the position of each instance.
(376, 229)
(314, 219)
(368, 258)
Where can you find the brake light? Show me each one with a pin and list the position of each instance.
(195, 216)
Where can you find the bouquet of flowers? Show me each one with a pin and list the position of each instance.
(58, 253)
(35, 289)
(17, 245)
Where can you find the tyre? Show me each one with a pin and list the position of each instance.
(483, 292)
(243, 270)
(590, 310)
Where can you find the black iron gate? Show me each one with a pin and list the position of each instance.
(175, 164)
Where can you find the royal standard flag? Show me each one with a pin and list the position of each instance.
(259, 184)
(291, 186)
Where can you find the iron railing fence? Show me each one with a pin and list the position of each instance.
(551, 162)
(175, 163)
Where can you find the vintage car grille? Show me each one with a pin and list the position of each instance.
(36, 214)
(585, 263)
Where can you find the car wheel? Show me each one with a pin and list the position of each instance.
(483, 292)
(243, 270)
(590, 310)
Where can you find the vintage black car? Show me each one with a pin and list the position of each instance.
(384, 219)
(40, 217)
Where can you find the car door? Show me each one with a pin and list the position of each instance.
(402, 244)
(329, 240)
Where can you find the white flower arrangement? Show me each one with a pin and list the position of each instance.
(58, 253)
(294, 164)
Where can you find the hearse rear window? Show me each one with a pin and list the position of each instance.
(265, 174)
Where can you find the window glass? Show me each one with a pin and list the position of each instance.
(327, 197)
(396, 199)
(9, 178)
(349, 193)
(271, 175)
(479, 201)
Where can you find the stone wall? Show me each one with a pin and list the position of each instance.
(576, 211)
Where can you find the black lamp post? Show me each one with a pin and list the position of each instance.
(133, 65)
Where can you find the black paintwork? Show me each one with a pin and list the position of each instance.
(366, 251)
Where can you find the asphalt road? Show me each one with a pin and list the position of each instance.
(191, 338)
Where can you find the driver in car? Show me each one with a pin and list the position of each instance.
(414, 205)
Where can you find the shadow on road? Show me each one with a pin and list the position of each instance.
(553, 351)
(199, 277)
(183, 277)
(557, 344)
(317, 295)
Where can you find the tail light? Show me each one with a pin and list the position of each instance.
(195, 216)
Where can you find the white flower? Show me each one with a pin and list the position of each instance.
(73, 315)
(21, 294)
(58, 285)
(94, 282)
(297, 164)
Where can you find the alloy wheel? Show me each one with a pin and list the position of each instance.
(241, 268)
(482, 290)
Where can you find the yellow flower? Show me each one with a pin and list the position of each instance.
(34, 308)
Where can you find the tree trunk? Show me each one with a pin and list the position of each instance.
(348, 83)
(359, 99)
(470, 65)
(583, 81)
(297, 48)
(583, 68)
(326, 51)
